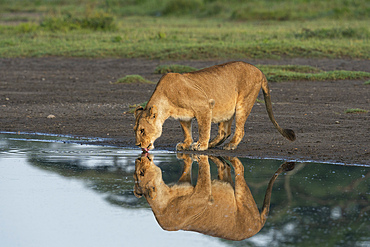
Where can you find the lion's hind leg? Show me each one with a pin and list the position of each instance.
(223, 168)
(241, 118)
(224, 131)
(243, 109)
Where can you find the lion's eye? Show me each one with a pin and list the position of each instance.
(142, 131)
(142, 173)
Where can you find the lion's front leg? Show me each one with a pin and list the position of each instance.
(204, 184)
(204, 125)
(186, 129)
(186, 173)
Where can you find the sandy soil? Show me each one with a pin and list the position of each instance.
(78, 93)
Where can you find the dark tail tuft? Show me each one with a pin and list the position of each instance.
(288, 166)
(289, 134)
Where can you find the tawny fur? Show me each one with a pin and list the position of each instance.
(215, 208)
(213, 95)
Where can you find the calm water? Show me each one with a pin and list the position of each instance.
(54, 192)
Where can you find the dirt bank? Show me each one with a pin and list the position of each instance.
(75, 96)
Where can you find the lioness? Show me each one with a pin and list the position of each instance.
(211, 207)
(214, 94)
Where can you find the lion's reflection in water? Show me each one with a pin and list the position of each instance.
(213, 207)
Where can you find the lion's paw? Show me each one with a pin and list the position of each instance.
(230, 146)
(200, 158)
(197, 146)
(183, 146)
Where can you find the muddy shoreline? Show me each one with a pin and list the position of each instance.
(75, 96)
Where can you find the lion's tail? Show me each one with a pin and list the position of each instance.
(287, 133)
(286, 166)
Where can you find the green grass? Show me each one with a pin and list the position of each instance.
(334, 33)
(307, 73)
(133, 79)
(289, 68)
(95, 21)
(367, 82)
(180, 39)
(185, 29)
(282, 10)
(356, 110)
(324, 76)
(279, 73)
(173, 68)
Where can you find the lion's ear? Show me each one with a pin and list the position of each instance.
(153, 111)
(137, 110)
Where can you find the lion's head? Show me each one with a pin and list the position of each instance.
(147, 177)
(147, 127)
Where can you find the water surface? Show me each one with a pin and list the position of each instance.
(55, 192)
